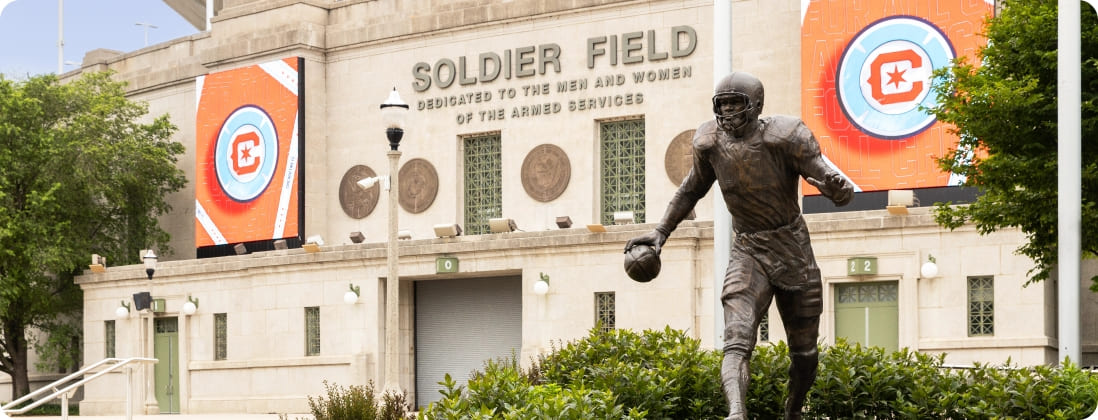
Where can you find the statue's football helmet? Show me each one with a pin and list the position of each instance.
(738, 87)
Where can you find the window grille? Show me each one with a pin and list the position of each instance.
(764, 328)
(312, 331)
(866, 293)
(605, 311)
(483, 182)
(221, 336)
(109, 338)
(622, 169)
(981, 306)
(167, 325)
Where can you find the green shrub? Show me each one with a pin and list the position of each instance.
(665, 374)
(864, 382)
(1037, 392)
(504, 391)
(769, 374)
(855, 382)
(358, 403)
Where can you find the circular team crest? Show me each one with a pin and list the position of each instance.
(885, 73)
(246, 153)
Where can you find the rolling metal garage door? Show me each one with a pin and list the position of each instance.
(460, 323)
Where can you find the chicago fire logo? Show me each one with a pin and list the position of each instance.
(246, 153)
(884, 76)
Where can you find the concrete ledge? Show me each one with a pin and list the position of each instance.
(987, 343)
(271, 363)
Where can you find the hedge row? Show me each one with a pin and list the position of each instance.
(654, 374)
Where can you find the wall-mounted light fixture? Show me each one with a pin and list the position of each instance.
(596, 228)
(357, 237)
(352, 295)
(98, 264)
(541, 286)
(929, 269)
(564, 222)
(122, 311)
(190, 306)
(313, 244)
(404, 234)
(281, 244)
(448, 230)
(623, 218)
(501, 225)
(240, 249)
(142, 300)
(899, 201)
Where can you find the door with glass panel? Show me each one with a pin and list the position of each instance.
(166, 351)
(868, 313)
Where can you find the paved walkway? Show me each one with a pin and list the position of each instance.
(177, 417)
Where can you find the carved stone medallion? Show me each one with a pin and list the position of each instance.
(546, 172)
(418, 185)
(679, 157)
(356, 201)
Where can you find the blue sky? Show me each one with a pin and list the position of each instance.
(28, 31)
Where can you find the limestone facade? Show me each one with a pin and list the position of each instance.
(574, 64)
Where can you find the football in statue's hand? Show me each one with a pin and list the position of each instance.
(642, 263)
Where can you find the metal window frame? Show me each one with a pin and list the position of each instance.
(622, 168)
(109, 337)
(981, 306)
(764, 328)
(221, 336)
(312, 331)
(606, 311)
(482, 181)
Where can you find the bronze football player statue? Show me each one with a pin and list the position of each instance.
(758, 164)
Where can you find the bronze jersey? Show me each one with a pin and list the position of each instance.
(758, 175)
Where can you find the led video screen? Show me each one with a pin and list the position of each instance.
(248, 145)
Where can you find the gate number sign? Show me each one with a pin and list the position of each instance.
(446, 265)
(860, 266)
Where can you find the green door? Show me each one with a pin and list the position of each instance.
(166, 350)
(868, 313)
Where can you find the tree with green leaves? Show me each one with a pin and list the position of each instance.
(1005, 113)
(82, 171)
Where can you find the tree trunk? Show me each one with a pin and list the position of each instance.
(15, 337)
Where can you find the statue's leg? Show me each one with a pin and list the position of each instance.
(746, 296)
(801, 315)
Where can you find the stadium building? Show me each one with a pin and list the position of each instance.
(550, 132)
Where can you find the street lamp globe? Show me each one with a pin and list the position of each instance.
(150, 263)
(394, 112)
(350, 297)
(541, 287)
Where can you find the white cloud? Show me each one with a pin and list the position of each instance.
(3, 4)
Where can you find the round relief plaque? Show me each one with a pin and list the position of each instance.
(356, 201)
(546, 172)
(418, 185)
(679, 157)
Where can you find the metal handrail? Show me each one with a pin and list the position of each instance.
(64, 392)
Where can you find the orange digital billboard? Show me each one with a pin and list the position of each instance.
(248, 146)
(866, 79)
